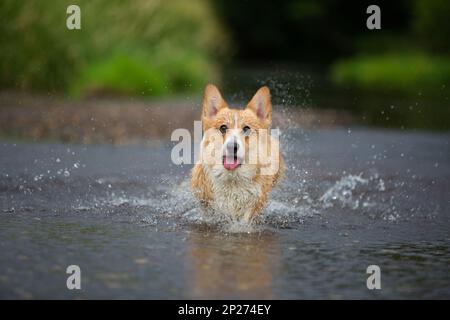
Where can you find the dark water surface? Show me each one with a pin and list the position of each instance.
(351, 198)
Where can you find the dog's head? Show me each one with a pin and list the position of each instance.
(233, 134)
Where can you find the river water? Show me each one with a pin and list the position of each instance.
(351, 198)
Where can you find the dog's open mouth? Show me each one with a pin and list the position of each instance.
(231, 162)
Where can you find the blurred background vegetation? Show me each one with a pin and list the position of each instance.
(397, 76)
(133, 47)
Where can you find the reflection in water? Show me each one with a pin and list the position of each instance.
(231, 265)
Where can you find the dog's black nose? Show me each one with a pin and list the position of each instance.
(232, 147)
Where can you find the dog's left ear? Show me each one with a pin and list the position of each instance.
(261, 105)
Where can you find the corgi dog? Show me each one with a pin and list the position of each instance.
(240, 161)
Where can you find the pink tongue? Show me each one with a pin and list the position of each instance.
(230, 163)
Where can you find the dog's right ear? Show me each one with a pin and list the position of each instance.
(212, 101)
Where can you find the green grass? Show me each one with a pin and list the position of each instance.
(393, 72)
(121, 74)
(143, 75)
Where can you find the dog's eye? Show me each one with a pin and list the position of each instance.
(246, 129)
(223, 129)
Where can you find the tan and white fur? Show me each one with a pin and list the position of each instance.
(233, 186)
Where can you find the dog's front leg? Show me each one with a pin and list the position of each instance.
(252, 213)
(201, 186)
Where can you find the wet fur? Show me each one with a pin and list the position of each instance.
(241, 193)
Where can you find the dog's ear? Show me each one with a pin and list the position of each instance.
(212, 101)
(261, 105)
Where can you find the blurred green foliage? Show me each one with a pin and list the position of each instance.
(160, 47)
(150, 47)
(431, 24)
(416, 59)
(122, 74)
(398, 72)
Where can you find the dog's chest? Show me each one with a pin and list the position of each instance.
(235, 197)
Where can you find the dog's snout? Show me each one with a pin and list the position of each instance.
(232, 147)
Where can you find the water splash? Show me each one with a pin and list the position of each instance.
(290, 204)
(344, 192)
(364, 195)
